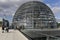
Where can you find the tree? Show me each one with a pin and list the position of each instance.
(0, 23)
(58, 24)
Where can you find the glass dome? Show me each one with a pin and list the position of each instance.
(34, 14)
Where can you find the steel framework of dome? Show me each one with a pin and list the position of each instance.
(34, 14)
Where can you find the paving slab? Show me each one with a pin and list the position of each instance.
(12, 35)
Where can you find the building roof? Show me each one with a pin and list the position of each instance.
(42, 32)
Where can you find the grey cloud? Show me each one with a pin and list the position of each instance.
(12, 5)
(9, 7)
(58, 20)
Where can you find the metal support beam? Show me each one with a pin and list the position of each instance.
(47, 38)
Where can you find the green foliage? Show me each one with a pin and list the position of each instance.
(58, 24)
(0, 23)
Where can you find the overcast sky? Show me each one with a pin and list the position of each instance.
(9, 7)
